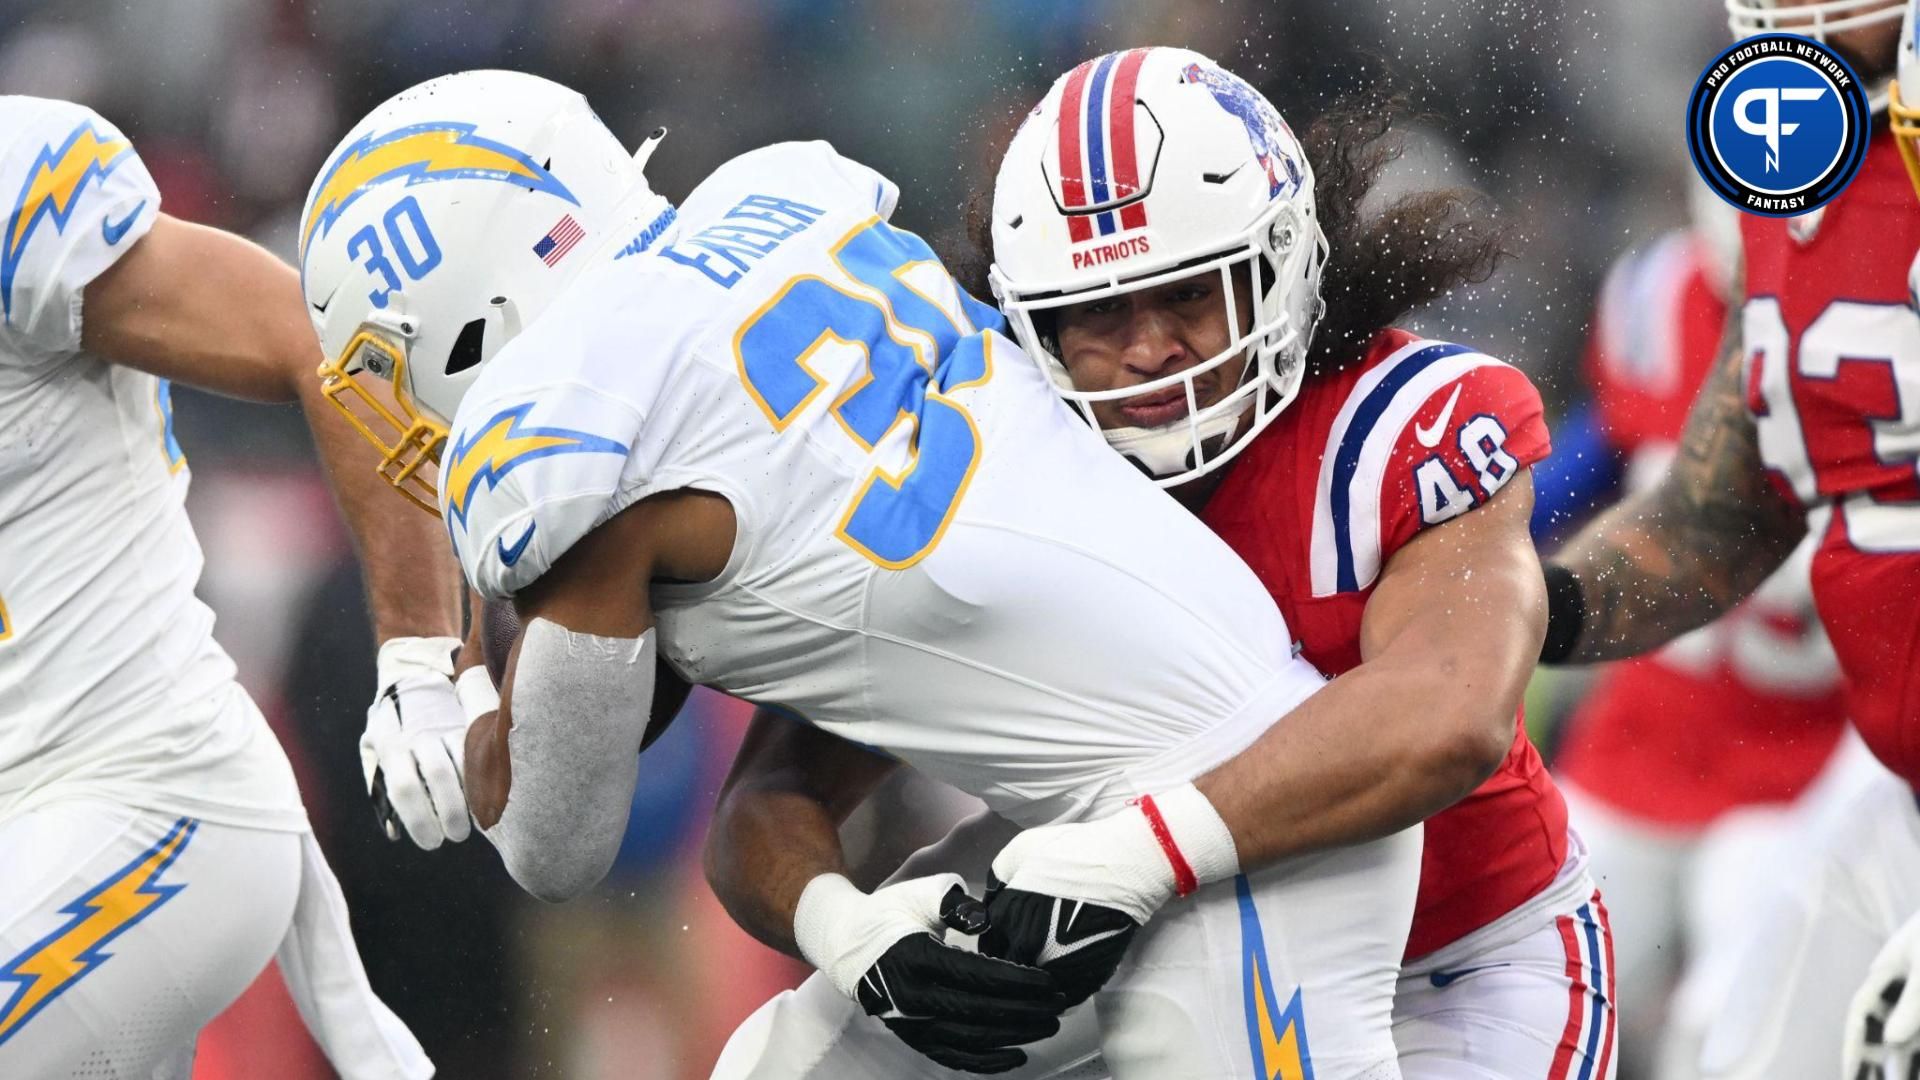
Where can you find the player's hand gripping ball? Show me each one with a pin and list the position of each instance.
(886, 950)
(1070, 898)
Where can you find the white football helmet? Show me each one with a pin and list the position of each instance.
(1148, 166)
(442, 224)
(1904, 118)
(1818, 20)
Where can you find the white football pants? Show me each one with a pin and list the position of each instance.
(1527, 998)
(124, 931)
(1288, 972)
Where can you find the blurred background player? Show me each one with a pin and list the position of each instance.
(1326, 476)
(1807, 427)
(1659, 802)
(157, 852)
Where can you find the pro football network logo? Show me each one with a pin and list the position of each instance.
(1778, 125)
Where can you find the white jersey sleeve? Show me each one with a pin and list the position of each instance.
(528, 471)
(80, 198)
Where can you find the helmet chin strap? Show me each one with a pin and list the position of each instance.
(647, 147)
(509, 316)
(1165, 450)
(1168, 449)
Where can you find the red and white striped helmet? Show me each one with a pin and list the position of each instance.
(1147, 166)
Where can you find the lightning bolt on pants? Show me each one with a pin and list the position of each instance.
(1285, 974)
(123, 932)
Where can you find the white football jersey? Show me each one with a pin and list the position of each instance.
(935, 557)
(110, 681)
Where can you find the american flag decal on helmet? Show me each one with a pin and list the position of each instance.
(559, 240)
(1099, 156)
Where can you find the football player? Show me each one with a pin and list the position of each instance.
(1807, 427)
(156, 852)
(1664, 807)
(1378, 485)
(764, 438)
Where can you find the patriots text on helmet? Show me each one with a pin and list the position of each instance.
(1105, 253)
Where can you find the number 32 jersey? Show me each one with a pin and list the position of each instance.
(111, 684)
(1833, 382)
(934, 556)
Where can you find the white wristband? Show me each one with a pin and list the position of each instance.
(413, 655)
(476, 692)
(1193, 836)
(817, 921)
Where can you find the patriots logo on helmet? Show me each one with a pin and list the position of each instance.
(420, 153)
(1107, 160)
(1269, 134)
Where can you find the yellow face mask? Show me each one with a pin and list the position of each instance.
(409, 448)
(1905, 121)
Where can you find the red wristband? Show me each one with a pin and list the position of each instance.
(1184, 881)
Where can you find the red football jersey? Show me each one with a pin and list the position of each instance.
(1418, 433)
(1833, 381)
(1758, 689)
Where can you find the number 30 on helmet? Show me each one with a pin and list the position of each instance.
(441, 225)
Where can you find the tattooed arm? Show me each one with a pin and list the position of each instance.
(1672, 558)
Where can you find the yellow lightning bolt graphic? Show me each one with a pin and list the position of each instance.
(424, 151)
(58, 961)
(1280, 1050)
(59, 181)
(501, 445)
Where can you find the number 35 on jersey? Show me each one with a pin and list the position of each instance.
(920, 339)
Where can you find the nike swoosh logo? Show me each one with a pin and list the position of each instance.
(1061, 940)
(113, 232)
(511, 555)
(1443, 979)
(1430, 436)
(321, 307)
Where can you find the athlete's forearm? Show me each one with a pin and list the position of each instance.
(762, 848)
(406, 565)
(1676, 556)
(1447, 642)
(776, 826)
(1379, 749)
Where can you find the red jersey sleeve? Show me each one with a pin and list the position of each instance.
(1460, 446)
(1427, 434)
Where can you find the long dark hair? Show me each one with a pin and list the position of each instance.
(1383, 265)
(1379, 267)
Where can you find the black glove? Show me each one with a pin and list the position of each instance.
(1080, 944)
(959, 1008)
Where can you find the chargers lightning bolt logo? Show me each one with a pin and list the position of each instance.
(52, 190)
(50, 966)
(499, 447)
(421, 153)
(1277, 1037)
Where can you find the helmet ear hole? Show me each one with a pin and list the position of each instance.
(466, 347)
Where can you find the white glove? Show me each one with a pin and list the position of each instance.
(413, 750)
(1159, 847)
(1069, 898)
(1883, 1023)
